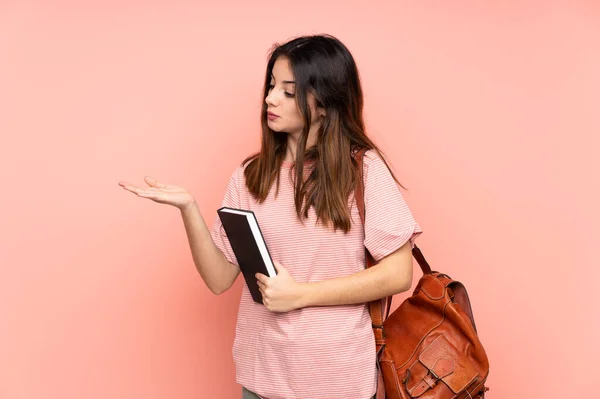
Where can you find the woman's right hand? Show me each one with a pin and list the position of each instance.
(161, 193)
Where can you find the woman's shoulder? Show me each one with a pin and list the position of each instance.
(373, 159)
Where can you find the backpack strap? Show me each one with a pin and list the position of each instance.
(378, 307)
(462, 299)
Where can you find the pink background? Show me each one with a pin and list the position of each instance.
(488, 111)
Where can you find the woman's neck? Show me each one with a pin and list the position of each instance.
(292, 144)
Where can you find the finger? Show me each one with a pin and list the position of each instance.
(152, 182)
(127, 186)
(261, 286)
(263, 292)
(261, 277)
(151, 195)
(265, 301)
(140, 191)
(278, 266)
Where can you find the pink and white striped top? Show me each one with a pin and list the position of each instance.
(315, 352)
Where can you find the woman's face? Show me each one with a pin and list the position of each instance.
(281, 101)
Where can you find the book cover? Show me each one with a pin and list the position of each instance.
(248, 245)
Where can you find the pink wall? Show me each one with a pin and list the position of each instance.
(489, 113)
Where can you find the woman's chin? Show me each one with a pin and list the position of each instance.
(278, 130)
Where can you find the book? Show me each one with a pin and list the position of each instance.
(249, 247)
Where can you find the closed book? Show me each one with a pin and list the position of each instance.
(248, 245)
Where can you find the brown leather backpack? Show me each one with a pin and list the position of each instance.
(428, 347)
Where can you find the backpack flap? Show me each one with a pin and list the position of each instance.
(440, 361)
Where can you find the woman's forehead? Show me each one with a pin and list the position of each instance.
(282, 70)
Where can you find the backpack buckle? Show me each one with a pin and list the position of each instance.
(380, 326)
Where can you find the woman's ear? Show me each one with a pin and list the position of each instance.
(321, 111)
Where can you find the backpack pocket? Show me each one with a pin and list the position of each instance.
(439, 362)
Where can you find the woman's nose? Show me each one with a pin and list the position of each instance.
(271, 98)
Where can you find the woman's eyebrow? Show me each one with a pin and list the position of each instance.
(285, 81)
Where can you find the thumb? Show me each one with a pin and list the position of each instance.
(152, 182)
(279, 267)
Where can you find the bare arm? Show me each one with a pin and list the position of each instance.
(392, 275)
(216, 271)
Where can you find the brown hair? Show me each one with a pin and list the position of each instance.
(323, 66)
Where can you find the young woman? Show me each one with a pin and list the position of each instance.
(312, 336)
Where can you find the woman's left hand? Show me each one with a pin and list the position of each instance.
(280, 293)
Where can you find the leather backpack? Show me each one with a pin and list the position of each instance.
(428, 347)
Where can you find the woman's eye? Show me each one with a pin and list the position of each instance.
(290, 95)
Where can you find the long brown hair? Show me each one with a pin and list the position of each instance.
(323, 66)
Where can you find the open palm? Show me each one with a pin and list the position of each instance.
(162, 193)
